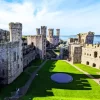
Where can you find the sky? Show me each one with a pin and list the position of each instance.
(70, 16)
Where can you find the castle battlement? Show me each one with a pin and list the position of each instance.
(43, 27)
(3, 31)
(15, 25)
(92, 45)
(91, 33)
(50, 29)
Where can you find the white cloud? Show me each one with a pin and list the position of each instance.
(47, 13)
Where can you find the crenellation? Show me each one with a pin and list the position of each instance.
(58, 32)
(16, 25)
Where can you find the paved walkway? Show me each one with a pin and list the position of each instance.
(96, 80)
(23, 90)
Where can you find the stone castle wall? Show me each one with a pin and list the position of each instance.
(11, 54)
(53, 39)
(88, 53)
(4, 36)
(91, 55)
(29, 54)
(10, 67)
(39, 41)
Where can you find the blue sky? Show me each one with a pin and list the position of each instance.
(71, 16)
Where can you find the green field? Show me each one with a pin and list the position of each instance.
(20, 81)
(43, 88)
(93, 71)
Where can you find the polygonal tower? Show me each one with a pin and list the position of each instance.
(90, 38)
(38, 31)
(58, 32)
(50, 33)
(15, 31)
(16, 36)
(86, 38)
(43, 31)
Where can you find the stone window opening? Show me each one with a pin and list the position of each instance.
(14, 56)
(32, 43)
(87, 63)
(94, 65)
(95, 54)
(18, 65)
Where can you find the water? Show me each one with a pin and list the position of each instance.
(96, 38)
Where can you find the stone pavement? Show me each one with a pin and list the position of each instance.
(96, 80)
(23, 90)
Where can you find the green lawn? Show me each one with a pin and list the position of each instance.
(43, 88)
(20, 81)
(37, 62)
(90, 70)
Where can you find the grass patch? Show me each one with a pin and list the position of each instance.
(43, 88)
(37, 62)
(89, 69)
(32, 69)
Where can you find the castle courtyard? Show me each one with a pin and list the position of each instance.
(43, 88)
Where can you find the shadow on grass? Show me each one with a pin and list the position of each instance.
(42, 85)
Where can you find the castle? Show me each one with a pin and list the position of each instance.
(16, 53)
(84, 51)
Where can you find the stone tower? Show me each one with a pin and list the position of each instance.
(58, 32)
(16, 37)
(43, 30)
(15, 32)
(43, 33)
(38, 31)
(50, 33)
(86, 38)
(90, 38)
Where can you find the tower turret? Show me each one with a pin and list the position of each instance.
(15, 31)
(50, 32)
(58, 32)
(38, 31)
(43, 30)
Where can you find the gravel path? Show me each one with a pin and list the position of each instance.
(96, 80)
